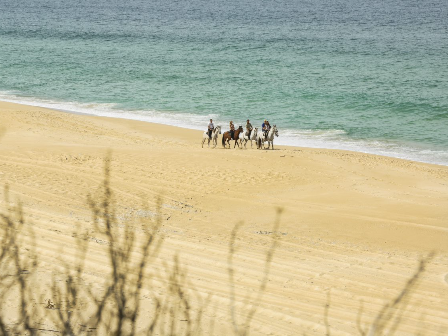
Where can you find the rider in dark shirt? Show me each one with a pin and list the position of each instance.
(232, 130)
(266, 128)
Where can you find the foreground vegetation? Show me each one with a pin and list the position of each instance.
(113, 307)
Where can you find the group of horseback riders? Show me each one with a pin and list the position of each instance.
(265, 127)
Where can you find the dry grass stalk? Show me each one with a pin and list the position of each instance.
(17, 268)
(249, 310)
(391, 313)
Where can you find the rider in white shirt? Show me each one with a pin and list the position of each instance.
(248, 128)
(211, 127)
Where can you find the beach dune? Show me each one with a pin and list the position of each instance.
(353, 226)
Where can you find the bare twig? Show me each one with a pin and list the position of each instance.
(388, 313)
(244, 329)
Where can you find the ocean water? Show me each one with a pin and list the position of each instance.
(369, 76)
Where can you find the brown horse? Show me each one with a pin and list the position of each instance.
(226, 137)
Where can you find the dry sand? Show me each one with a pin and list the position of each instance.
(354, 225)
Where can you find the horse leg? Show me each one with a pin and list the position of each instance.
(203, 140)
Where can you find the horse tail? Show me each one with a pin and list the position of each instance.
(223, 140)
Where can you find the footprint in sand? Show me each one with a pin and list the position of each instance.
(446, 278)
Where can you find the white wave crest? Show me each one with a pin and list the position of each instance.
(328, 139)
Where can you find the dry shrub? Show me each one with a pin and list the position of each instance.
(75, 307)
(18, 263)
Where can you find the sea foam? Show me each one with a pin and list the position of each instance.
(325, 139)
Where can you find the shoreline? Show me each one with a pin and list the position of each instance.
(353, 223)
(166, 135)
(359, 146)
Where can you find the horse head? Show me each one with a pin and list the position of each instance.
(218, 129)
(240, 128)
(275, 130)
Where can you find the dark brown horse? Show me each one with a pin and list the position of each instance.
(226, 137)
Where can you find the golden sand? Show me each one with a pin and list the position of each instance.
(354, 225)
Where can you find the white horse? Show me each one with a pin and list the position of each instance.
(245, 138)
(214, 138)
(270, 138)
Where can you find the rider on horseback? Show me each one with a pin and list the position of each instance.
(266, 128)
(248, 128)
(232, 130)
(211, 127)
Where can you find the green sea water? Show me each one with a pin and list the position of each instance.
(369, 76)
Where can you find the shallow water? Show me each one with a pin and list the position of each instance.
(356, 75)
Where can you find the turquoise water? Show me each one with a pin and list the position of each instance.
(370, 76)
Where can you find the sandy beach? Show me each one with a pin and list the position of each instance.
(353, 226)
